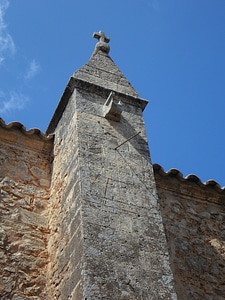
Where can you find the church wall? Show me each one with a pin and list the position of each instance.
(24, 193)
(193, 217)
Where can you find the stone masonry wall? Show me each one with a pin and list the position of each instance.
(193, 218)
(108, 240)
(24, 194)
(124, 243)
(66, 241)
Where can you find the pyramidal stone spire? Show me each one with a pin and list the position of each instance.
(101, 69)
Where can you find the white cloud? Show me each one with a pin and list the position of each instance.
(13, 101)
(33, 69)
(10, 101)
(6, 41)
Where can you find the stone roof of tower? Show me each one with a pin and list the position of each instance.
(102, 71)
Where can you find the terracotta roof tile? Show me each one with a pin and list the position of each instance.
(210, 184)
(22, 128)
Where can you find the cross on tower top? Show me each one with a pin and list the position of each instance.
(100, 36)
(102, 42)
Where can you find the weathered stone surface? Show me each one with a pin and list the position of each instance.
(102, 71)
(23, 210)
(193, 218)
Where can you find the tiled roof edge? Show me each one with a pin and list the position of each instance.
(189, 178)
(22, 128)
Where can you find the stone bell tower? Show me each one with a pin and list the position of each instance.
(107, 238)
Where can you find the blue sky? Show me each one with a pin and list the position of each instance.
(172, 51)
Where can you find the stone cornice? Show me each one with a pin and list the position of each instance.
(91, 88)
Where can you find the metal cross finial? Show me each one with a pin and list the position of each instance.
(100, 36)
(102, 42)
